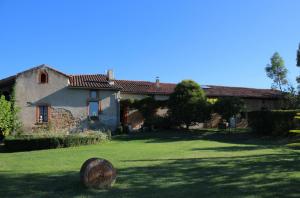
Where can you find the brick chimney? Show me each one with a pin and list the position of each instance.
(110, 76)
(157, 82)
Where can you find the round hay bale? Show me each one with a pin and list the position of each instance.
(97, 173)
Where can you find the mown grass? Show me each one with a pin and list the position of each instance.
(165, 164)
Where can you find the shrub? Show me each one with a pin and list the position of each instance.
(275, 123)
(6, 116)
(37, 142)
(9, 121)
(188, 104)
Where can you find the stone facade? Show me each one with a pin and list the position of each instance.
(62, 119)
(68, 106)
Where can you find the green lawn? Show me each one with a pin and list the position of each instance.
(160, 165)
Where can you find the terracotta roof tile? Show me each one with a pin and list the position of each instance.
(145, 87)
(97, 81)
(222, 91)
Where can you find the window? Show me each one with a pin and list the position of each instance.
(93, 109)
(42, 114)
(43, 78)
(94, 105)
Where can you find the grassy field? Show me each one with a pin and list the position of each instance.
(160, 165)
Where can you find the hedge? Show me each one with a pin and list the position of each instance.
(274, 123)
(28, 143)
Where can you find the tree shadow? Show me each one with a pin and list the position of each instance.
(233, 148)
(259, 175)
(238, 137)
(272, 175)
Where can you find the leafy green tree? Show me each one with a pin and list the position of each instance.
(298, 56)
(9, 121)
(298, 65)
(228, 107)
(277, 72)
(16, 124)
(291, 100)
(188, 104)
(6, 116)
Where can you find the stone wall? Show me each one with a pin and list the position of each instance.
(62, 119)
(135, 119)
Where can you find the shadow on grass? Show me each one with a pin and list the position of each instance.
(234, 148)
(258, 175)
(237, 137)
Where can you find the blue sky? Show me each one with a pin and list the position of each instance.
(212, 42)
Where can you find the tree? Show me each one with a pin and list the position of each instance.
(291, 100)
(9, 121)
(228, 107)
(6, 116)
(187, 104)
(298, 56)
(277, 72)
(298, 65)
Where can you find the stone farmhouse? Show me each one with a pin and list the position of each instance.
(49, 98)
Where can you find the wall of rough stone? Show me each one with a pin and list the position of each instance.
(135, 119)
(63, 120)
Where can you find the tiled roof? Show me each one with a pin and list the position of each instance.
(97, 81)
(145, 87)
(221, 91)
(9, 81)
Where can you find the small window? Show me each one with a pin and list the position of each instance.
(43, 114)
(93, 94)
(93, 109)
(43, 78)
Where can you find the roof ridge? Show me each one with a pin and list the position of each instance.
(233, 87)
(87, 75)
(134, 81)
(145, 81)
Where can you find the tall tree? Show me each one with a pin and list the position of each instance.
(298, 65)
(277, 71)
(188, 104)
(298, 56)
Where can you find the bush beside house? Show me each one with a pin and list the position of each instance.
(275, 123)
(8, 117)
(49, 141)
